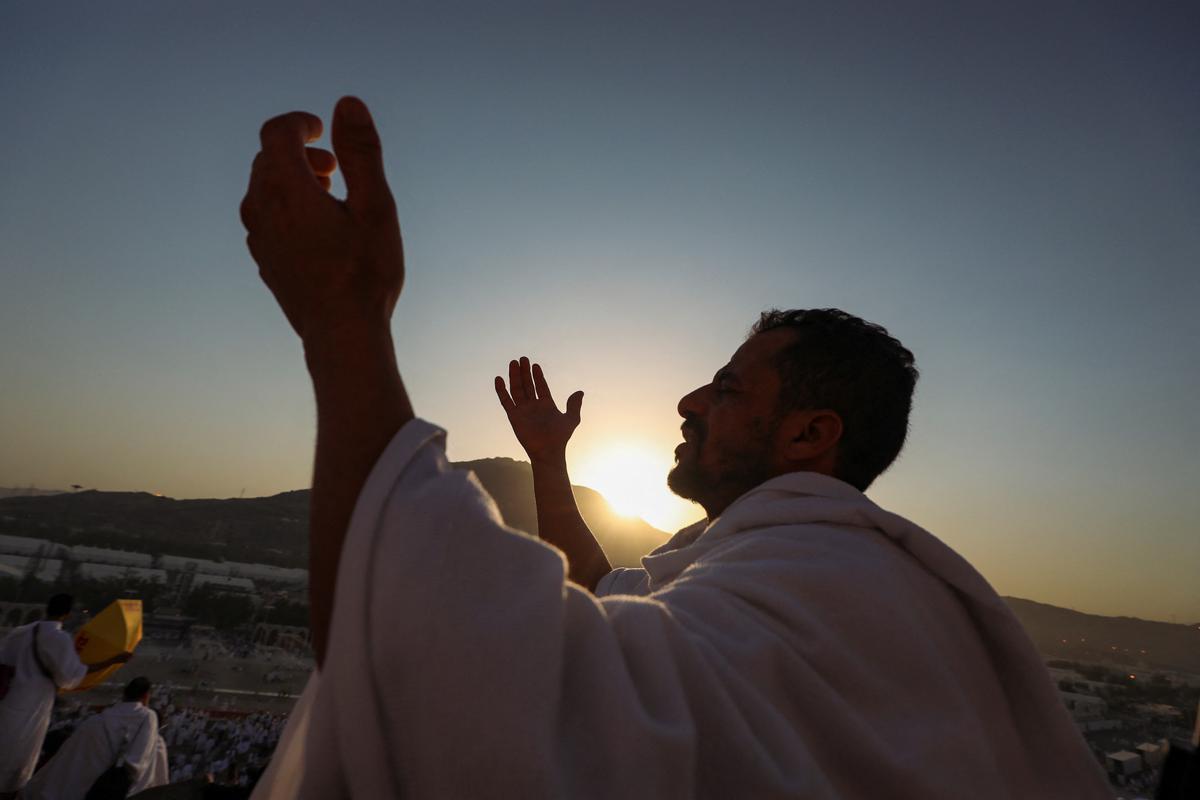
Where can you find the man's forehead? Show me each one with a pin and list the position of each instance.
(759, 350)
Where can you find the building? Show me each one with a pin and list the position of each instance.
(47, 561)
(1123, 763)
(1084, 707)
(1153, 754)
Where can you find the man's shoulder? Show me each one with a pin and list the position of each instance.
(126, 711)
(56, 629)
(814, 561)
(52, 634)
(811, 546)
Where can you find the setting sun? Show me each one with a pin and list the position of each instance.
(633, 479)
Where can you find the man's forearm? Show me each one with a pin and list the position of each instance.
(361, 403)
(560, 523)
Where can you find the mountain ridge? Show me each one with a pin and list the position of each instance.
(274, 530)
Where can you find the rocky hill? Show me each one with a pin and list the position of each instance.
(624, 539)
(26, 491)
(1128, 641)
(274, 530)
(268, 530)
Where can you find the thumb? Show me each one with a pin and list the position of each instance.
(574, 404)
(360, 155)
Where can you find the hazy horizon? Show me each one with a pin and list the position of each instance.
(618, 191)
(5, 489)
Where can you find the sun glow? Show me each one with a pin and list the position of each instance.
(633, 479)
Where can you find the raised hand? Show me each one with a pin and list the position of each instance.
(335, 267)
(540, 427)
(544, 431)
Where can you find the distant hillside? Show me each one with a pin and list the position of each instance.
(1075, 636)
(268, 530)
(26, 491)
(624, 539)
(274, 530)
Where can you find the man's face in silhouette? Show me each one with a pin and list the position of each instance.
(730, 427)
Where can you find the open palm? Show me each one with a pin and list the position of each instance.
(540, 427)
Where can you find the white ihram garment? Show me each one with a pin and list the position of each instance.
(127, 727)
(805, 644)
(159, 771)
(25, 710)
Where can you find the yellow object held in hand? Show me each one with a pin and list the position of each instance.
(117, 629)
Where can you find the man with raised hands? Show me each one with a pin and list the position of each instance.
(800, 642)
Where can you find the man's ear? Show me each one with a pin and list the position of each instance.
(810, 437)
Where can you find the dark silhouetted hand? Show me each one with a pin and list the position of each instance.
(540, 427)
(335, 266)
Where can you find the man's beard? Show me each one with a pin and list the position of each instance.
(736, 472)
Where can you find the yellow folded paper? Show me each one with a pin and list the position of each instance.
(116, 629)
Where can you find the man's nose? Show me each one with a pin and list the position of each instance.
(693, 403)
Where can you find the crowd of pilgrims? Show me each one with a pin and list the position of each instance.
(224, 747)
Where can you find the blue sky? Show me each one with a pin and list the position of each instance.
(618, 190)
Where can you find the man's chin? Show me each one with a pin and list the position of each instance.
(684, 481)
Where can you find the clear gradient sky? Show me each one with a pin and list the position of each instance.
(1013, 190)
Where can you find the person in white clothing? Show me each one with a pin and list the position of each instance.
(159, 771)
(42, 656)
(799, 642)
(124, 735)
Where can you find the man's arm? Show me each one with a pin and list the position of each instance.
(336, 269)
(560, 523)
(361, 403)
(544, 432)
(67, 668)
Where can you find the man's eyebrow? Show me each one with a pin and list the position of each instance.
(725, 372)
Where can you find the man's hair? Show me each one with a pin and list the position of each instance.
(855, 368)
(60, 605)
(136, 689)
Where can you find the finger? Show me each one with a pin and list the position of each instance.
(283, 139)
(527, 378)
(574, 406)
(515, 384)
(246, 212)
(325, 182)
(357, 145)
(321, 162)
(539, 383)
(502, 393)
(250, 202)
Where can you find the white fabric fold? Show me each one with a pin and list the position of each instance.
(127, 731)
(806, 644)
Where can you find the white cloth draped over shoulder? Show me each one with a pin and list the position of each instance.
(25, 710)
(805, 644)
(127, 728)
(158, 773)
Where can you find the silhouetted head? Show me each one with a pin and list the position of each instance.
(136, 690)
(815, 390)
(59, 606)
